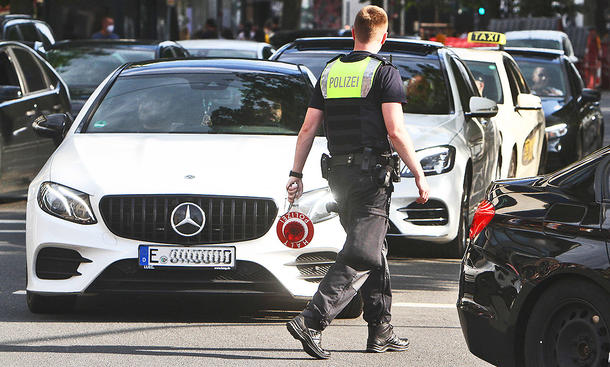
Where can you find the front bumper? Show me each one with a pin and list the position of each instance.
(263, 265)
(436, 222)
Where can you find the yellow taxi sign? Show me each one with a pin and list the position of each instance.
(487, 37)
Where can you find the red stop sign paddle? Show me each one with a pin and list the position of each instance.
(295, 230)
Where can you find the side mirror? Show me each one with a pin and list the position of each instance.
(9, 92)
(590, 95)
(482, 107)
(54, 126)
(528, 102)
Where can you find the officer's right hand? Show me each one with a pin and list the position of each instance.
(294, 187)
(424, 189)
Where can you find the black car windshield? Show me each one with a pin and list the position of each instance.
(546, 78)
(487, 79)
(423, 79)
(534, 43)
(204, 103)
(88, 66)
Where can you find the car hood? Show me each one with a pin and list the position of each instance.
(235, 165)
(431, 130)
(551, 106)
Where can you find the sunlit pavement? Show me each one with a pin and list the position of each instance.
(148, 331)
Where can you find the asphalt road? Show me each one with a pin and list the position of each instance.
(146, 331)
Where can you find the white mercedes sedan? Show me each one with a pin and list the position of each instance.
(171, 181)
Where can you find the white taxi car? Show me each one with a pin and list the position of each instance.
(171, 180)
(520, 118)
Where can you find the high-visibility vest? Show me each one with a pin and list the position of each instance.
(351, 120)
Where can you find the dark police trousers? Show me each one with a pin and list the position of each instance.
(361, 264)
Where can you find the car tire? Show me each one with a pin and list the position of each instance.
(457, 247)
(50, 304)
(569, 326)
(353, 309)
(512, 165)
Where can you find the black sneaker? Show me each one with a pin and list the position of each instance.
(310, 338)
(382, 338)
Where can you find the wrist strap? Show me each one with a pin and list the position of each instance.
(295, 174)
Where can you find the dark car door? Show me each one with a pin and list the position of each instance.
(587, 114)
(46, 95)
(18, 155)
(602, 193)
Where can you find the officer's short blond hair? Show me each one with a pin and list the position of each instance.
(371, 22)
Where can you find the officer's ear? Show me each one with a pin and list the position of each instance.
(353, 34)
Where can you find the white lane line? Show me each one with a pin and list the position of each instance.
(21, 292)
(423, 305)
(605, 109)
(12, 230)
(12, 221)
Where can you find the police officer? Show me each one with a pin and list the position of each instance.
(358, 97)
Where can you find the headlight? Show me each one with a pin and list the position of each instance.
(314, 205)
(65, 203)
(434, 161)
(556, 131)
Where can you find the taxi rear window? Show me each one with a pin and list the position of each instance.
(204, 103)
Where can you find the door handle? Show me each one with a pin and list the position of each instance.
(57, 107)
(30, 113)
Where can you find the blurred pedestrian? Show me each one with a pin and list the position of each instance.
(210, 30)
(247, 33)
(107, 31)
(227, 33)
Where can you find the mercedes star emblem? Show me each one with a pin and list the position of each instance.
(187, 219)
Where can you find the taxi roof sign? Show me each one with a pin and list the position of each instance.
(494, 38)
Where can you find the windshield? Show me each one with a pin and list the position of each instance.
(204, 103)
(487, 79)
(87, 66)
(534, 43)
(424, 81)
(222, 53)
(544, 77)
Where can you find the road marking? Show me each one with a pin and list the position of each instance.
(12, 221)
(21, 292)
(423, 305)
(605, 109)
(12, 231)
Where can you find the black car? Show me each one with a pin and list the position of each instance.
(29, 87)
(23, 28)
(83, 64)
(535, 279)
(574, 121)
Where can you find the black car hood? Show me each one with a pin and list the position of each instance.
(552, 106)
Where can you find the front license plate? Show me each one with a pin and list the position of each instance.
(219, 257)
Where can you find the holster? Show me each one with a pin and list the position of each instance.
(325, 165)
(395, 164)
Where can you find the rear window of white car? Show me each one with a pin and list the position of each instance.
(487, 78)
(534, 43)
(204, 103)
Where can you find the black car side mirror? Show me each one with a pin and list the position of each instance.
(590, 95)
(54, 126)
(9, 92)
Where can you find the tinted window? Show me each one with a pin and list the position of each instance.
(512, 81)
(519, 79)
(576, 80)
(425, 85)
(167, 53)
(462, 86)
(545, 78)
(534, 43)
(31, 70)
(180, 52)
(204, 103)
(28, 32)
(315, 61)
(12, 33)
(267, 52)
(487, 79)
(87, 67)
(8, 75)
